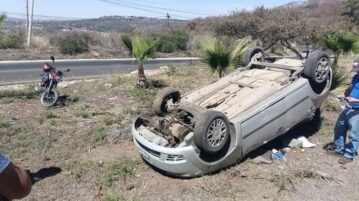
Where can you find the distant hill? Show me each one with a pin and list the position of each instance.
(102, 24)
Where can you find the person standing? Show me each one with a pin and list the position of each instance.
(348, 120)
(15, 182)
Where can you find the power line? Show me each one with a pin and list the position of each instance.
(164, 8)
(23, 15)
(122, 4)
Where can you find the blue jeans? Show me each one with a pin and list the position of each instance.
(347, 120)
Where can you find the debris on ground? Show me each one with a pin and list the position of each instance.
(265, 158)
(301, 142)
(277, 155)
(306, 143)
(295, 143)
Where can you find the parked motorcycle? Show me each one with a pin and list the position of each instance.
(47, 88)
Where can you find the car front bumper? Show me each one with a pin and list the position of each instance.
(182, 162)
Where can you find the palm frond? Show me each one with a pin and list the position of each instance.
(127, 42)
(239, 49)
(347, 40)
(143, 48)
(216, 56)
(331, 42)
(339, 80)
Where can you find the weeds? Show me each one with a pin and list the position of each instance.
(28, 93)
(114, 197)
(4, 123)
(123, 169)
(141, 95)
(77, 169)
(172, 69)
(99, 134)
(82, 112)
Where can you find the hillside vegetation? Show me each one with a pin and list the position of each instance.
(295, 26)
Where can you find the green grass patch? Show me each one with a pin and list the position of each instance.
(123, 169)
(83, 112)
(4, 123)
(141, 95)
(114, 197)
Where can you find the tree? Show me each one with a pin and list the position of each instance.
(351, 9)
(2, 19)
(341, 44)
(218, 57)
(141, 48)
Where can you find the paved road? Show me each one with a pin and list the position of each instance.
(19, 71)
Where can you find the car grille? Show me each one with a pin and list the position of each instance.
(170, 157)
(153, 152)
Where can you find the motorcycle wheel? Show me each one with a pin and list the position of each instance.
(49, 98)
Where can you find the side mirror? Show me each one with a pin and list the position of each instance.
(53, 59)
(67, 70)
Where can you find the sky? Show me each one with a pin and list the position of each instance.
(177, 9)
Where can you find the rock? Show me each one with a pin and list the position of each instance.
(164, 68)
(130, 187)
(265, 158)
(108, 85)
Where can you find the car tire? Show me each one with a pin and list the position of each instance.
(253, 54)
(317, 67)
(211, 132)
(160, 104)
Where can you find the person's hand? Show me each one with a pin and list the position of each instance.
(351, 100)
(341, 96)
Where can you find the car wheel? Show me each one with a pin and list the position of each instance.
(165, 97)
(211, 132)
(254, 54)
(317, 67)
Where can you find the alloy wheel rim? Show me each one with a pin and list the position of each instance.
(216, 133)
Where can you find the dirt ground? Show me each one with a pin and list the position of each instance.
(83, 150)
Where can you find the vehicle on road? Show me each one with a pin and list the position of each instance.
(50, 78)
(215, 126)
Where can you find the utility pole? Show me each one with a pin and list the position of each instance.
(30, 24)
(27, 14)
(168, 20)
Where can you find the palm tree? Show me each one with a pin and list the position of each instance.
(218, 57)
(142, 49)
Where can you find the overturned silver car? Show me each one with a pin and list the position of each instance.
(215, 126)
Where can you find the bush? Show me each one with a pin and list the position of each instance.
(166, 44)
(73, 45)
(181, 39)
(176, 40)
(11, 41)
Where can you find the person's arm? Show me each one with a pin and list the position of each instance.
(352, 100)
(15, 183)
(346, 92)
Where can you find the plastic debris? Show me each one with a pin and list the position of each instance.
(306, 143)
(285, 149)
(295, 143)
(277, 155)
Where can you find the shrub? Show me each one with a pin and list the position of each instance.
(11, 41)
(73, 45)
(175, 40)
(181, 39)
(166, 44)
